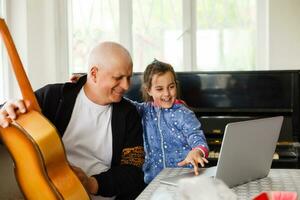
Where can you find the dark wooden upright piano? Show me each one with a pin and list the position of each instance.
(218, 98)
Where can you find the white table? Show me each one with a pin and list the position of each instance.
(277, 180)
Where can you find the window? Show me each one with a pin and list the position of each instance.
(156, 30)
(226, 33)
(91, 21)
(192, 35)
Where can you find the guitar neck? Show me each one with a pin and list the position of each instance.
(18, 69)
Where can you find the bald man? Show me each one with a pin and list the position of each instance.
(101, 131)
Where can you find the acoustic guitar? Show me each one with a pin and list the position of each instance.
(41, 168)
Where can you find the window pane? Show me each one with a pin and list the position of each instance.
(157, 31)
(93, 21)
(226, 31)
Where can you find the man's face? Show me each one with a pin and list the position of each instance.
(113, 81)
(163, 90)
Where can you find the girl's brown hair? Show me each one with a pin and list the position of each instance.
(156, 67)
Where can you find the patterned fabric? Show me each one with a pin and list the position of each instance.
(133, 156)
(169, 135)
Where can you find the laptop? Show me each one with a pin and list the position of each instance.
(246, 153)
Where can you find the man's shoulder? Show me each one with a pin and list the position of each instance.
(125, 106)
(57, 91)
(50, 88)
(55, 87)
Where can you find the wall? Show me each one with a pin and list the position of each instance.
(284, 34)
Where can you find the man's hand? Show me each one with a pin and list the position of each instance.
(90, 183)
(11, 110)
(194, 157)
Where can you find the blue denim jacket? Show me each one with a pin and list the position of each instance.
(169, 135)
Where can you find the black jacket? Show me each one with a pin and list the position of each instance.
(125, 178)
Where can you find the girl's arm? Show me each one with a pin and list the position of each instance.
(191, 128)
(139, 106)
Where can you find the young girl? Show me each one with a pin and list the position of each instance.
(172, 133)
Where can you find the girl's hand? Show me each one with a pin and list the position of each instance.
(194, 157)
(75, 77)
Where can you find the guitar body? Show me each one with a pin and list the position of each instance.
(41, 167)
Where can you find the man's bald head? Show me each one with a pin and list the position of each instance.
(106, 54)
(109, 73)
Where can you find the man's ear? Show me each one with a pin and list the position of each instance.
(94, 73)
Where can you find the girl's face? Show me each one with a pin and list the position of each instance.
(163, 90)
